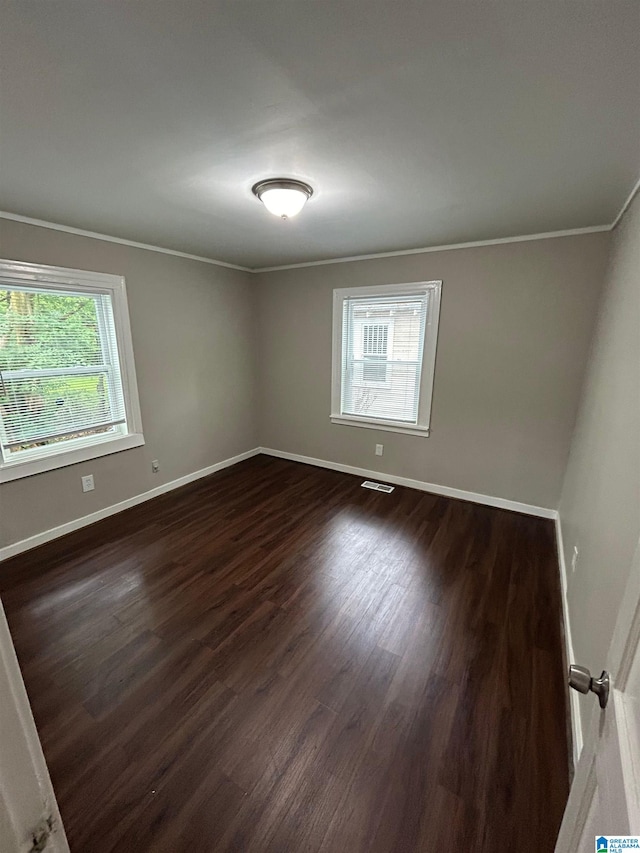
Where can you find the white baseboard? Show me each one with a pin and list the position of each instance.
(76, 524)
(445, 491)
(574, 698)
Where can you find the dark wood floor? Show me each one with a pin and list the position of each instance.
(275, 659)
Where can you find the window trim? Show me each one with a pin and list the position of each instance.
(425, 391)
(55, 278)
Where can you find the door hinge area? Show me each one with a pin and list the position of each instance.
(41, 836)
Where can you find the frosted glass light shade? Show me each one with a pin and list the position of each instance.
(283, 198)
(283, 202)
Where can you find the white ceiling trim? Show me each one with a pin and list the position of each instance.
(54, 226)
(624, 207)
(571, 232)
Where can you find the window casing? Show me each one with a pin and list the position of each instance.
(384, 348)
(68, 390)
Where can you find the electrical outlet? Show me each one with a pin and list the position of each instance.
(155, 466)
(574, 559)
(379, 449)
(87, 483)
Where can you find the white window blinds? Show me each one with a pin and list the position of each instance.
(382, 353)
(59, 368)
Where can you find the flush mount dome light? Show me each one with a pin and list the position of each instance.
(282, 197)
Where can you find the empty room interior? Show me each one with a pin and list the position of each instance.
(319, 426)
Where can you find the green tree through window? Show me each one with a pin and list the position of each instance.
(56, 369)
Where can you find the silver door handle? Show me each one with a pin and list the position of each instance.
(580, 679)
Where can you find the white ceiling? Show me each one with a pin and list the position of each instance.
(417, 123)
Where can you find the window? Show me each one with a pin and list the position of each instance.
(384, 348)
(375, 351)
(67, 380)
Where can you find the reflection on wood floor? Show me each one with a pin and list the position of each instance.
(275, 659)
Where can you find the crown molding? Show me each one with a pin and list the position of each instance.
(80, 232)
(625, 206)
(571, 232)
(499, 241)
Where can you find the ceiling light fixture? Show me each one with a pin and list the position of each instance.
(282, 197)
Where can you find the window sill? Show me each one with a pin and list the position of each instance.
(383, 426)
(16, 470)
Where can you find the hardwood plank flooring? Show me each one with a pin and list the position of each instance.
(274, 659)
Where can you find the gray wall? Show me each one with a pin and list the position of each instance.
(600, 505)
(515, 326)
(193, 333)
(227, 361)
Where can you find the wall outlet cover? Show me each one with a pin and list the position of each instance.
(87, 483)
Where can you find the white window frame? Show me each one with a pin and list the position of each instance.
(90, 447)
(425, 391)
